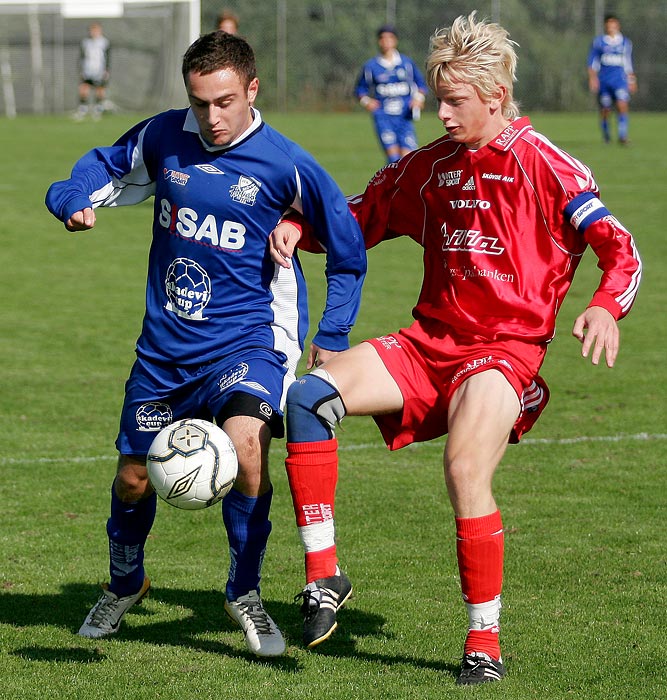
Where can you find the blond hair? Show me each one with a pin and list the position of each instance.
(478, 53)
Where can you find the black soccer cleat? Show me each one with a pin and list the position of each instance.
(480, 668)
(321, 601)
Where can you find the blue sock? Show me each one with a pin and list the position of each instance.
(128, 528)
(623, 127)
(248, 528)
(604, 125)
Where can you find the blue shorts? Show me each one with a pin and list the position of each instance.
(613, 91)
(251, 383)
(395, 131)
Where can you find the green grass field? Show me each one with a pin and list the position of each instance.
(583, 497)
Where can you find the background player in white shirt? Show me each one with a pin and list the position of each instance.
(224, 327)
(504, 217)
(94, 67)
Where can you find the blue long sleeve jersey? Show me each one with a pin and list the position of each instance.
(611, 58)
(392, 82)
(212, 287)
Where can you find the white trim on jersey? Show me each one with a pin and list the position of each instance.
(285, 324)
(627, 298)
(133, 188)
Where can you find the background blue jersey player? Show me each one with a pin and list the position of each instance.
(224, 326)
(393, 90)
(611, 76)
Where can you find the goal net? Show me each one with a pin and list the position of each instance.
(40, 48)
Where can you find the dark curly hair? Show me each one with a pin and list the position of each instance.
(218, 51)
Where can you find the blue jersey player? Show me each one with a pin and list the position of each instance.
(224, 326)
(393, 90)
(611, 76)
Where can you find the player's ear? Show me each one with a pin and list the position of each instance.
(497, 99)
(253, 89)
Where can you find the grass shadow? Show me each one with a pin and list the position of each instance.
(70, 655)
(201, 615)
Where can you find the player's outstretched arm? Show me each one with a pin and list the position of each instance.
(81, 220)
(597, 329)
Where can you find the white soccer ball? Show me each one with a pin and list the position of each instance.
(192, 464)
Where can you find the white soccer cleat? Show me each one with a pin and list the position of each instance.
(261, 633)
(105, 616)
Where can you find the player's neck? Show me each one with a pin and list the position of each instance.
(389, 56)
(490, 132)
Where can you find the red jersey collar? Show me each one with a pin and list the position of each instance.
(506, 138)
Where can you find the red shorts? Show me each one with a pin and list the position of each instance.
(428, 368)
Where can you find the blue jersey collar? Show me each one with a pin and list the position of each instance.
(192, 126)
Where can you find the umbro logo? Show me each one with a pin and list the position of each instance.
(470, 185)
(210, 169)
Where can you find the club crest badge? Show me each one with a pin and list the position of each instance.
(245, 190)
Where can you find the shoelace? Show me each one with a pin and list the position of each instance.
(313, 599)
(259, 617)
(311, 603)
(480, 664)
(107, 603)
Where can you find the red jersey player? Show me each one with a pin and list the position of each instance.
(504, 217)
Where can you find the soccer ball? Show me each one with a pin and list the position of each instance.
(192, 464)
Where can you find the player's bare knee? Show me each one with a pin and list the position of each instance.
(251, 438)
(252, 470)
(131, 482)
(461, 469)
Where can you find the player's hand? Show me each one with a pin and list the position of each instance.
(81, 220)
(417, 101)
(370, 104)
(597, 329)
(282, 242)
(318, 356)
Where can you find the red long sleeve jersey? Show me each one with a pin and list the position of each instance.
(503, 229)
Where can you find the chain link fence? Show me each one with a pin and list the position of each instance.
(309, 52)
(40, 51)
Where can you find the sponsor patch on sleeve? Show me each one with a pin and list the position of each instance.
(584, 210)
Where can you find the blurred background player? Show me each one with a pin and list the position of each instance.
(223, 327)
(504, 218)
(228, 21)
(94, 65)
(611, 76)
(393, 90)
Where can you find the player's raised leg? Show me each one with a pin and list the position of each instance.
(482, 413)
(354, 382)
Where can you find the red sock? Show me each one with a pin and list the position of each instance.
(479, 548)
(312, 471)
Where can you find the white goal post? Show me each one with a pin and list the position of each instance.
(40, 44)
